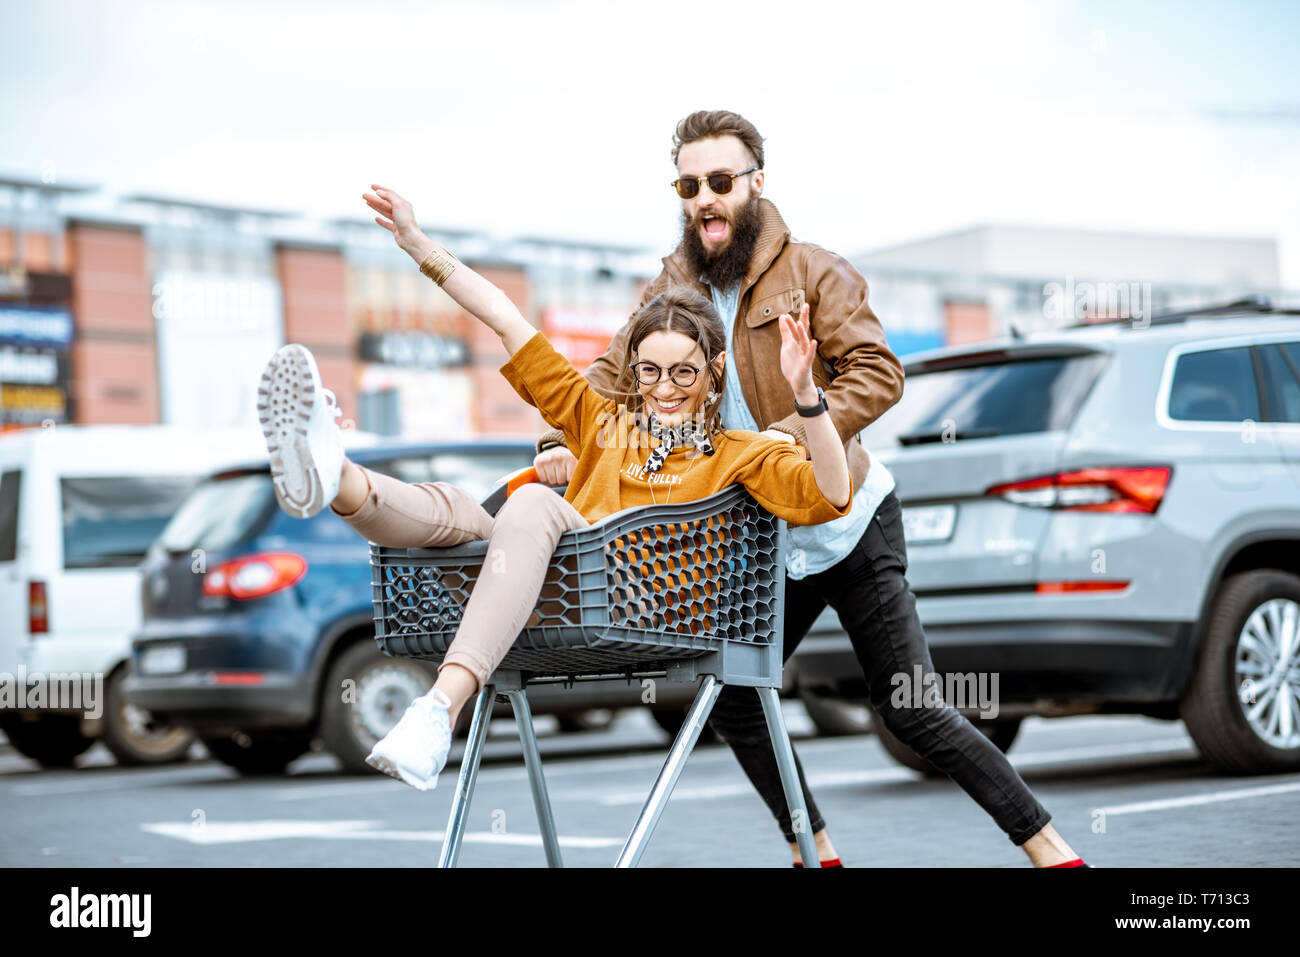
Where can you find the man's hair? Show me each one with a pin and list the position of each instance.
(676, 309)
(705, 124)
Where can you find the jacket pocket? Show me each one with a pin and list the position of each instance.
(769, 308)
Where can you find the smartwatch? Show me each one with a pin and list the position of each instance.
(814, 410)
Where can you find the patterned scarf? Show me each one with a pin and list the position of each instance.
(674, 437)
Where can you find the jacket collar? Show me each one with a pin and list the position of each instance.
(773, 234)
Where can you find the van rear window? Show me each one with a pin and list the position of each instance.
(110, 522)
(10, 484)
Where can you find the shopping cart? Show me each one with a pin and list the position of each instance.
(686, 592)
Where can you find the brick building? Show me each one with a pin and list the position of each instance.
(151, 309)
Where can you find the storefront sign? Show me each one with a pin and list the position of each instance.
(34, 365)
(413, 350)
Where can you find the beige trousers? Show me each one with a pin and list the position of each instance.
(521, 540)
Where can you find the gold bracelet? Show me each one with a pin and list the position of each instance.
(438, 267)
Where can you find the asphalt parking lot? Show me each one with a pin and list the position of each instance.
(1125, 792)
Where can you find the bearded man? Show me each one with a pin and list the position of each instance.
(737, 251)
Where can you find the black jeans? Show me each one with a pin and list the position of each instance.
(877, 609)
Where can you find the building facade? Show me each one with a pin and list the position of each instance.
(149, 309)
(162, 310)
(991, 280)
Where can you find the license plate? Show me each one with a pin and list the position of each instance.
(163, 660)
(928, 524)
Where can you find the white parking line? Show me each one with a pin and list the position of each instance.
(1213, 797)
(241, 832)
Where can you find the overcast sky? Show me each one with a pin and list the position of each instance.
(885, 122)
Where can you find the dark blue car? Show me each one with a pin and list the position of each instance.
(258, 631)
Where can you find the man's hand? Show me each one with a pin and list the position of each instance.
(555, 466)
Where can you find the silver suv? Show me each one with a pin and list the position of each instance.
(1107, 518)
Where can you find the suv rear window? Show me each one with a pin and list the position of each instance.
(111, 522)
(982, 401)
(219, 513)
(10, 484)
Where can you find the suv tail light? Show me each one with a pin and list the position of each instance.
(254, 576)
(38, 621)
(1092, 490)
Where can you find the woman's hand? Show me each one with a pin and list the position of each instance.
(797, 354)
(395, 214)
(472, 292)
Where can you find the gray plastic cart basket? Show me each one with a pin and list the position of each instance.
(692, 592)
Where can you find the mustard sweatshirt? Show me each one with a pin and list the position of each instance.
(612, 451)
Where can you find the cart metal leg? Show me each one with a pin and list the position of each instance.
(789, 774)
(533, 760)
(670, 772)
(478, 729)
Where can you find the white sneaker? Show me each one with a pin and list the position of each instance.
(415, 751)
(297, 417)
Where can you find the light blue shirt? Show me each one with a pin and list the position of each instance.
(812, 548)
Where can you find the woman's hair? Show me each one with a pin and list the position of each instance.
(677, 309)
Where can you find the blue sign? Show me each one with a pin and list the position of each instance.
(36, 327)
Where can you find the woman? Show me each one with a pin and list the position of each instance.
(662, 445)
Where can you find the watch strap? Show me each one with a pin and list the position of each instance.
(816, 409)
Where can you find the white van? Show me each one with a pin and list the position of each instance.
(79, 506)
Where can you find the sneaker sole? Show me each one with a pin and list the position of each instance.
(285, 399)
(381, 763)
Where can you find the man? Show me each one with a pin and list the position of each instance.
(736, 250)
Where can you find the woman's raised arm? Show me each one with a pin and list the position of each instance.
(475, 294)
(830, 466)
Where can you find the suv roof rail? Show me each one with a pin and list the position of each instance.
(1255, 303)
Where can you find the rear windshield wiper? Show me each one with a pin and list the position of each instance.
(940, 435)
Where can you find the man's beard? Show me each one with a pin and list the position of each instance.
(726, 267)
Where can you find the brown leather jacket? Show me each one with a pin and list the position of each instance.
(860, 375)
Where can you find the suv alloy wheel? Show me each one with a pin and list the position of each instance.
(1243, 706)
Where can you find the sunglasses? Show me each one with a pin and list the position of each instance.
(648, 373)
(688, 187)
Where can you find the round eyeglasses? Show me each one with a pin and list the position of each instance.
(649, 373)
